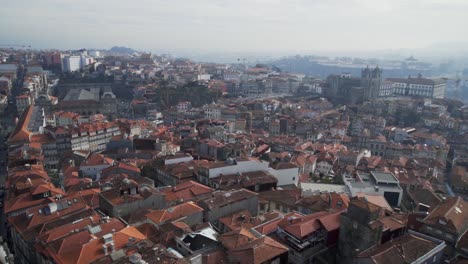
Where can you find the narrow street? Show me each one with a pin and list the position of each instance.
(8, 124)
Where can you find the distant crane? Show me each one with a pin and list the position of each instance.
(15, 45)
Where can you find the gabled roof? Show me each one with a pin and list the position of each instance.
(21, 132)
(121, 166)
(405, 249)
(84, 248)
(222, 198)
(376, 199)
(451, 214)
(173, 213)
(258, 251)
(301, 226)
(41, 214)
(187, 191)
(236, 238)
(96, 159)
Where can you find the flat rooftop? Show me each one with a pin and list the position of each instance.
(384, 177)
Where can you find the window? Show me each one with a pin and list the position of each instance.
(294, 178)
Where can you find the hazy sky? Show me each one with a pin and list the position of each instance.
(236, 25)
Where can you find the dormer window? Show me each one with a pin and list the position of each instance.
(442, 222)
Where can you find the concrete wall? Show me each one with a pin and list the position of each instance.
(250, 204)
(242, 166)
(152, 202)
(355, 237)
(92, 171)
(286, 176)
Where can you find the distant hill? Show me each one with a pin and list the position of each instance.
(122, 50)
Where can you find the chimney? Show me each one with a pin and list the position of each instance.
(104, 248)
(130, 242)
(112, 246)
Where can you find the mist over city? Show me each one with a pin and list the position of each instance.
(249, 131)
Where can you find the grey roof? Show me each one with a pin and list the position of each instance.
(35, 69)
(384, 177)
(215, 129)
(8, 68)
(82, 94)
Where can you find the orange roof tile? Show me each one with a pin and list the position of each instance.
(21, 132)
(258, 251)
(173, 213)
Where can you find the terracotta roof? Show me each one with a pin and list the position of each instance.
(392, 223)
(269, 227)
(462, 243)
(21, 132)
(32, 172)
(174, 213)
(287, 197)
(258, 251)
(244, 180)
(187, 191)
(405, 249)
(63, 231)
(377, 200)
(41, 138)
(453, 212)
(222, 198)
(303, 225)
(325, 201)
(236, 238)
(244, 219)
(96, 159)
(121, 166)
(23, 201)
(41, 214)
(425, 196)
(82, 248)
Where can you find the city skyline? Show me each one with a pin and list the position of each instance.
(244, 26)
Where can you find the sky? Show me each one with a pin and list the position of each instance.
(293, 26)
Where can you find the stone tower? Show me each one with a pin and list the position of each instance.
(371, 80)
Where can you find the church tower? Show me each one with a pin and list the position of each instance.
(371, 81)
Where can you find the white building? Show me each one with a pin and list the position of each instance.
(386, 89)
(94, 164)
(212, 111)
(377, 183)
(94, 53)
(423, 87)
(285, 173)
(203, 77)
(71, 63)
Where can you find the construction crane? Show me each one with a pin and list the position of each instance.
(14, 45)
